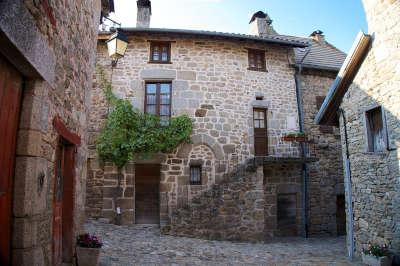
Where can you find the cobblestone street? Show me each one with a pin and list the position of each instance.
(143, 245)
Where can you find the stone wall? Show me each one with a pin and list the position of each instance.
(68, 31)
(211, 84)
(325, 175)
(375, 176)
(233, 210)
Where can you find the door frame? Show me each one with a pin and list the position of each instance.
(69, 141)
(265, 110)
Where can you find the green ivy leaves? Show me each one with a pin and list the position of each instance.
(128, 132)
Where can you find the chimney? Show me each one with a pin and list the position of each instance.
(318, 36)
(143, 13)
(261, 24)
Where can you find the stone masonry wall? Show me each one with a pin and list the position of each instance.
(211, 84)
(375, 176)
(70, 29)
(325, 175)
(233, 210)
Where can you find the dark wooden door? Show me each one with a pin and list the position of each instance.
(286, 215)
(63, 204)
(10, 99)
(147, 204)
(260, 132)
(340, 215)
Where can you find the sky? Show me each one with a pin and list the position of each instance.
(340, 20)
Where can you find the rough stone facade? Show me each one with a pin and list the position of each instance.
(232, 210)
(212, 84)
(326, 175)
(375, 176)
(68, 32)
(216, 84)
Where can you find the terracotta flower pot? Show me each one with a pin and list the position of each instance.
(288, 138)
(88, 256)
(376, 261)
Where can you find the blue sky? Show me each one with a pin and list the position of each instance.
(340, 20)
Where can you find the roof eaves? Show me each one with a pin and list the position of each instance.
(344, 79)
(279, 39)
(320, 67)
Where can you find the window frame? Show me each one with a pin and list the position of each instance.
(257, 52)
(158, 97)
(200, 181)
(160, 44)
(368, 130)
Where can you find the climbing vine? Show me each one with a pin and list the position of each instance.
(129, 133)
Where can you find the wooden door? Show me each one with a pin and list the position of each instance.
(286, 215)
(10, 99)
(340, 215)
(260, 132)
(147, 204)
(63, 204)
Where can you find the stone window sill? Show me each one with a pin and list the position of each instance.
(257, 69)
(159, 62)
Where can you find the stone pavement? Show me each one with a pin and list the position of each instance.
(144, 245)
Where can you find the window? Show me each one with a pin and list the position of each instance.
(375, 130)
(195, 175)
(257, 60)
(160, 52)
(158, 100)
(259, 118)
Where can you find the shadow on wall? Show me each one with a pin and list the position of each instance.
(373, 137)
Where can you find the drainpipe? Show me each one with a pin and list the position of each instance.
(305, 170)
(348, 189)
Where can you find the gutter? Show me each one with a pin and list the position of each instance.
(344, 79)
(348, 190)
(202, 33)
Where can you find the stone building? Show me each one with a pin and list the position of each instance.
(366, 96)
(47, 51)
(237, 179)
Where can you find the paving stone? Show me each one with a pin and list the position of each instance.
(144, 245)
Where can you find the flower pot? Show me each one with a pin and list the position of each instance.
(376, 261)
(88, 256)
(288, 138)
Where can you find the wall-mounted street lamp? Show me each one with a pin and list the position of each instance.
(116, 46)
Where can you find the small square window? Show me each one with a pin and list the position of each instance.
(195, 175)
(375, 130)
(257, 60)
(160, 52)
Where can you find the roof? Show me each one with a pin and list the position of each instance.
(274, 39)
(313, 54)
(344, 79)
(323, 56)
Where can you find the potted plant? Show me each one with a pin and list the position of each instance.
(289, 137)
(296, 136)
(376, 255)
(88, 250)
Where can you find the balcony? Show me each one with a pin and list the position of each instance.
(294, 150)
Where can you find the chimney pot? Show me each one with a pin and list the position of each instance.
(318, 36)
(261, 24)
